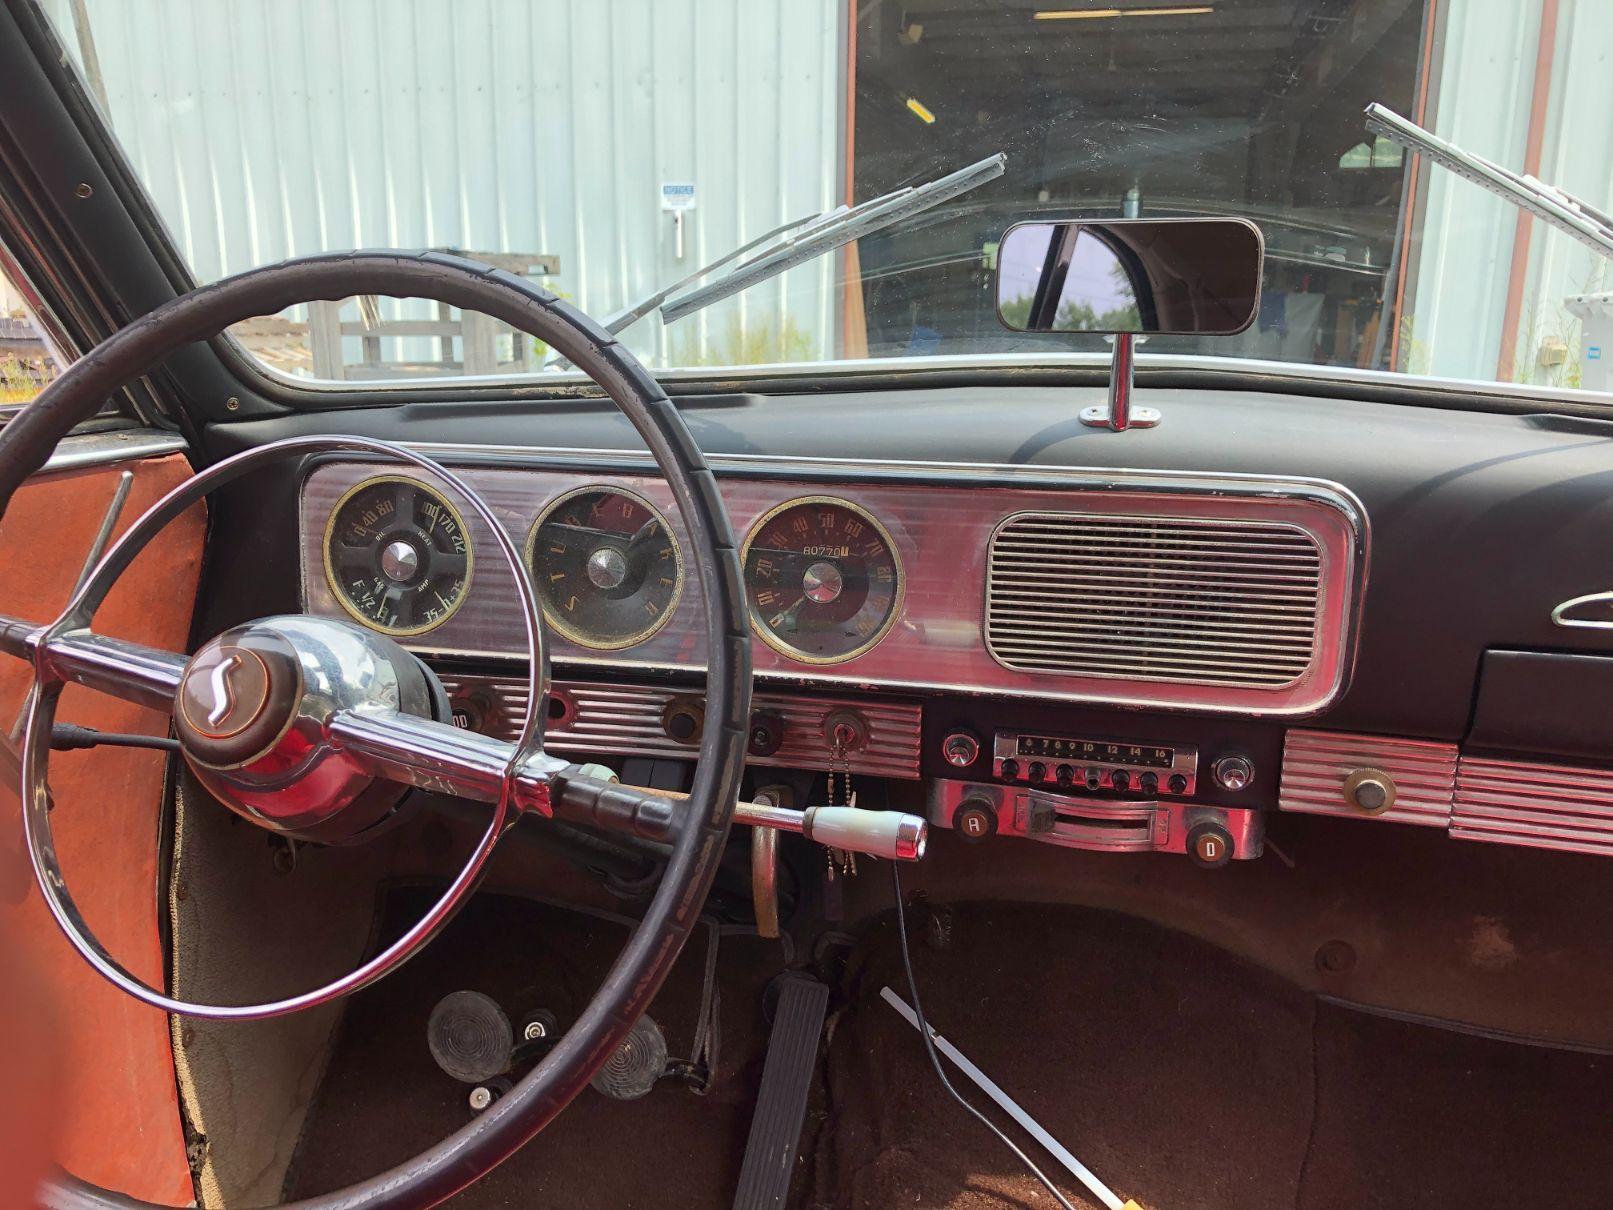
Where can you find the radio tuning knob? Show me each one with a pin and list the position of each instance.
(960, 748)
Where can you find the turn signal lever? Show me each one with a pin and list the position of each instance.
(582, 797)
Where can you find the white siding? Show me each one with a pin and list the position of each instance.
(1485, 85)
(272, 128)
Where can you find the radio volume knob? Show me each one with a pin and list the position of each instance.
(1233, 772)
(961, 749)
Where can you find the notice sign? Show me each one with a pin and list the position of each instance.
(677, 195)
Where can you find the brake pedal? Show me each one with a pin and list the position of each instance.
(636, 1064)
(775, 1130)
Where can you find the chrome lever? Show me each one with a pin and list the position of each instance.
(583, 797)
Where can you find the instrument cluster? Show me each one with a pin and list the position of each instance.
(822, 575)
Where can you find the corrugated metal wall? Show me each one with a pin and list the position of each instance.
(271, 128)
(1482, 99)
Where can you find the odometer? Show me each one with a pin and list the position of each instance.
(823, 579)
(606, 566)
(397, 555)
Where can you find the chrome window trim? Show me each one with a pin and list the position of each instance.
(753, 473)
(1270, 375)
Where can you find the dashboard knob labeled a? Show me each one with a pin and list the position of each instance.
(975, 819)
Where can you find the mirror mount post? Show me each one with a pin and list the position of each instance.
(1118, 414)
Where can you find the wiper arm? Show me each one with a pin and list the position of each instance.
(833, 229)
(797, 242)
(1569, 214)
(631, 314)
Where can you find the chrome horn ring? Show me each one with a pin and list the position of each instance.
(80, 611)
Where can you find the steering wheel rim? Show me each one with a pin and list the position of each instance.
(80, 612)
(624, 995)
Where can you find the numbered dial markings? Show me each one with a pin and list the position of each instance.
(397, 555)
(607, 567)
(823, 579)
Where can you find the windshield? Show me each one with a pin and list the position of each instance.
(612, 149)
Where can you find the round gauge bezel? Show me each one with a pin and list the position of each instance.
(396, 632)
(564, 628)
(873, 640)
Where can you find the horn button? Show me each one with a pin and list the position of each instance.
(237, 697)
(253, 713)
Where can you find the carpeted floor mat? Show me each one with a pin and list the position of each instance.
(1184, 1078)
(384, 1100)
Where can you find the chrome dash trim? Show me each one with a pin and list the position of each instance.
(940, 517)
(625, 720)
(1538, 806)
(1315, 764)
(84, 450)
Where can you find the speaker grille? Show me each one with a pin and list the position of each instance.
(1188, 600)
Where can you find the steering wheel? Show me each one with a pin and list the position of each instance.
(316, 727)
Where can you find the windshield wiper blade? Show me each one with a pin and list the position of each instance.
(831, 230)
(795, 243)
(631, 314)
(1574, 216)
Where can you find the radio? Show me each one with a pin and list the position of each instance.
(1123, 766)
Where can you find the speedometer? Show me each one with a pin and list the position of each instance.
(823, 579)
(397, 556)
(606, 566)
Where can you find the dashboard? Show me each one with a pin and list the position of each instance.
(1090, 639)
(1199, 591)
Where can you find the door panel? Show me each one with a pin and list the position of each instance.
(117, 1120)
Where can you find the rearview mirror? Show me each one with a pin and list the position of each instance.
(1146, 276)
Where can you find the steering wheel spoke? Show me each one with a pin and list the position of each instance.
(146, 676)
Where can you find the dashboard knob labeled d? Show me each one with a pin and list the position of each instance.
(1209, 845)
